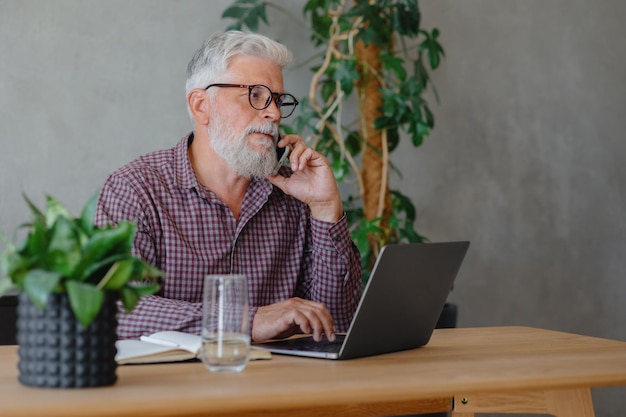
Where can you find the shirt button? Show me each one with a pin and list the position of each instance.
(336, 238)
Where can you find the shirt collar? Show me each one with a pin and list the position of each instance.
(185, 177)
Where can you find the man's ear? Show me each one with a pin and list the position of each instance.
(198, 104)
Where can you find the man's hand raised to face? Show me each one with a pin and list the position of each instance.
(312, 181)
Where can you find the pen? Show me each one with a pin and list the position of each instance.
(158, 341)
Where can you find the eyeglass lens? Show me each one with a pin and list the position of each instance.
(261, 97)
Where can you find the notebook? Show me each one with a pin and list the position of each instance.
(399, 308)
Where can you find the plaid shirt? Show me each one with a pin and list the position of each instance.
(188, 232)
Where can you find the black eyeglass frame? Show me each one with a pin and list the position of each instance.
(275, 97)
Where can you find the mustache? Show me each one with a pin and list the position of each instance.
(268, 128)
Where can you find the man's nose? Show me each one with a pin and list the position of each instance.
(272, 112)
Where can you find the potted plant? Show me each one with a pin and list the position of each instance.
(70, 275)
(372, 58)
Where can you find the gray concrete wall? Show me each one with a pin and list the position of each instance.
(525, 160)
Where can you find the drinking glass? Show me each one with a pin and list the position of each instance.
(225, 326)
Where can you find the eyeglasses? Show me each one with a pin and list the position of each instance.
(260, 97)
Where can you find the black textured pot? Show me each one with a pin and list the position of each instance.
(56, 351)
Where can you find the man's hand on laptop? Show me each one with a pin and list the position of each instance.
(292, 316)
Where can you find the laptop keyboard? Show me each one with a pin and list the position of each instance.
(310, 345)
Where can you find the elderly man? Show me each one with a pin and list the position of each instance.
(215, 204)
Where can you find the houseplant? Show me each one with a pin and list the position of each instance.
(372, 56)
(70, 275)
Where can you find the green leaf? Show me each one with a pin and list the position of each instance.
(63, 253)
(247, 13)
(93, 272)
(145, 288)
(149, 271)
(108, 241)
(63, 236)
(338, 168)
(320, 19)
(86, 301)
(38, 214)
(393, 64)
(88, 214)
(361, 236)
(430, 119)
(382, 123)
(130, 298)
(361, 240)
(433, 48)
(345, 72)
(393, 139)
(403, 204)
(38, 284)
(329, 87)
(423, 130)
(353, 143)
(433, 57)
(37, 241)
(127, 275)
(406, 19)
(63, 262)
(55, 210)
(12, 264)
(118, 275)
(420, 73)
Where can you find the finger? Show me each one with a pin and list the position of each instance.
(310, 325)
(321, 329)
(325, 320)
(291, 140)
(321, 322)
(297, 149)
(301, 160)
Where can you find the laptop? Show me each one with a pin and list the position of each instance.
(399, 308)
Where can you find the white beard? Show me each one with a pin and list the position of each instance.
(236, 150)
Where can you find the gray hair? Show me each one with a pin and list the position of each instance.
(211, 61)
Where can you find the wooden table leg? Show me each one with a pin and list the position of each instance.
(559, 403)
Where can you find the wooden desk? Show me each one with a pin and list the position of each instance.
(498, 369)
